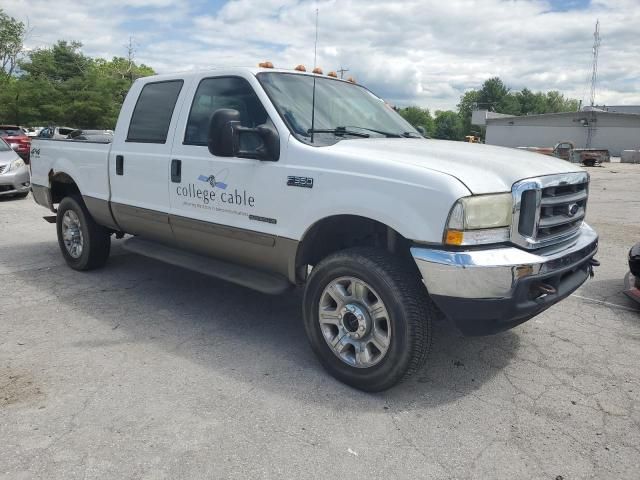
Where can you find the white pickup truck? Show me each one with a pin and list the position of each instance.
(275, 179)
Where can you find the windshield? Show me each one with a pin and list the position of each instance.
(4, 146)
(341, 108)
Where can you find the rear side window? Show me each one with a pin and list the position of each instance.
(154, 109)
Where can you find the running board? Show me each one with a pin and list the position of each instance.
(264, 282)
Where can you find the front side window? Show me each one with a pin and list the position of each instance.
(223, 92)
(339, 106)
(152, 115)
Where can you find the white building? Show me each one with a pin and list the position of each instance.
(614, 131)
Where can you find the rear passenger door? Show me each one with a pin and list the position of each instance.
(139, 160)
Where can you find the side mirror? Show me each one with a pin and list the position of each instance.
(220, 139)
(227, 138)
(422, 131)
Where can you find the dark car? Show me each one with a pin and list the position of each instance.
(17, 139)
(101, 136)
(632, 280)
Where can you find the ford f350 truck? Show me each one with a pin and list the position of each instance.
(274, 179)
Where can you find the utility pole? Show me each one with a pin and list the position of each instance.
(594, 71)
(342, 71)
(594, 79)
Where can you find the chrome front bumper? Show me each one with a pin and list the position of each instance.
(498, 284)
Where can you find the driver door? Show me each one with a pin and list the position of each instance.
(221, 206)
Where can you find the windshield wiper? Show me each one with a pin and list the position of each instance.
(338, 131)
(381, 132)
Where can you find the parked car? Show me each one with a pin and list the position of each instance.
(58, 133)
(632, 280)
(91, 135)
(17, 139)
(34, 131)
(14, 172)
(244, 175)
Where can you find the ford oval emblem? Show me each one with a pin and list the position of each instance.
(573, 209)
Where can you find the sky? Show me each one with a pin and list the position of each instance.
(424, 52)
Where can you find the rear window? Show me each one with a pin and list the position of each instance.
(10, 131)
(152, 114)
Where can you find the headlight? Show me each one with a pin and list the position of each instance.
(478, 220)
(16, 164)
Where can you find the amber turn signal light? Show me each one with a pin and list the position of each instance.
(332, 74)
(317, 70)
(300, 68)
(454, 237)
(265, 65)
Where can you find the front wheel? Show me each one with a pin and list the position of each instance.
(85, 245)
(368, 317)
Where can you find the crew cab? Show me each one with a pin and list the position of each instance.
(276, 179)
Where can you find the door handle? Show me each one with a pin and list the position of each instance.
(176, 171)
(119, 164)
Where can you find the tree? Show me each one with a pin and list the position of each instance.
(60, 85)
(556, 102)
(468, 103)
(448, 126)
(492, 94)
(12, 34)
(57, 64)
(418, 117)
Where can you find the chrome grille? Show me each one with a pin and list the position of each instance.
(549, 209)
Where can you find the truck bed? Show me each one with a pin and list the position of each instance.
(85, 161)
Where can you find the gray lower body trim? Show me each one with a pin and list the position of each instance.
(42, 196)
(244, 247)
(147, 223)
(100, 211)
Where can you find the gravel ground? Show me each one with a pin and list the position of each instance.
(146, 371)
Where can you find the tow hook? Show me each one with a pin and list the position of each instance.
(593, 263)
(545, 289)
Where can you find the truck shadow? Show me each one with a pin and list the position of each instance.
(250, 337)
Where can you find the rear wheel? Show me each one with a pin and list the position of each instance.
(85, 245)
(368, 317)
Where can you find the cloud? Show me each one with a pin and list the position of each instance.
(425, 52)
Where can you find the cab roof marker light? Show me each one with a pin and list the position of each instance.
(317, 71)
(332, 74)
(351, 80)
(300, 68)
(265, 64)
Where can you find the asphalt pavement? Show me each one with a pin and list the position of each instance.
(145, 371)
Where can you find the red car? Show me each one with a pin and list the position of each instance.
(17, 139)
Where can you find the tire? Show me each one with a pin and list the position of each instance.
(383, 277)
(95, 239)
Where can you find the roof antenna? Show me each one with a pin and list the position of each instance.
(313, 99)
